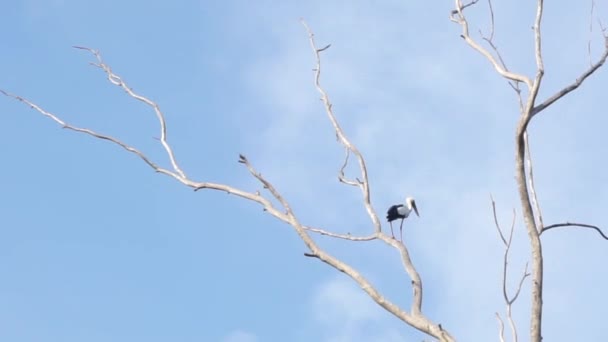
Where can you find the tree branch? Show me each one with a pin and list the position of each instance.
(417, 319)
(577, 83)
(457, 16)
(117, 80)
(490, 40)
(572, 224)
(363, 183)
(526, 190)
(341, 177)
(508, 299)
(94, 134)
(522, 185)
(501, 328)
(347, 236)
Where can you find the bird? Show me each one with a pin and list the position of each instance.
(401, 211)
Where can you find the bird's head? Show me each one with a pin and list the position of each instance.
(411, 203)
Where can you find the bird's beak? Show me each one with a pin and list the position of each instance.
(415, 209)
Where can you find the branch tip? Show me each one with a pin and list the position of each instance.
(311, 255)
(324, 48)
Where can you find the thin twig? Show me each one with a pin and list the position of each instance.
(92, 133)
(525, 275)
(501, 328)
(118, 81)
(521, 284)
(496, 224)
(490, 40)
(577, 83)
(458, 17)
(590, 32)
(341, 236)
(341, 177)
(572, 224)
(508, 299)
(364, 183)
(190, 183)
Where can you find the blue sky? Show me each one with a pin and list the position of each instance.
(94, 246)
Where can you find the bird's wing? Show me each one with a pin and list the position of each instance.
(402, 210)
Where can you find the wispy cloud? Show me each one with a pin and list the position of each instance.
(240, 336)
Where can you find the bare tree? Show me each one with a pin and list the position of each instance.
(274, 203)
(529, 107)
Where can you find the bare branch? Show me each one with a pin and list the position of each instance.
(490, 40)
(363, 183)
(540, 67)
(521, 284)
(416, 319)
(571, 224)
(590, 32)
(92, 133)
(508, 300)
(502, 237)
(117, 80)
(267, 185)
(457, 16)
(190, 183)
(535, 202)
(577, 83)
(528, 111)
(501, 328)
(347, 236)
(341, 175)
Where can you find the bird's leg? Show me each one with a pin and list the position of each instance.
(393, 234)
(401, 230)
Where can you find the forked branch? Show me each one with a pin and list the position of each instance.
(118, 81)
(577, 83)
(282, 210)
(525, 181)
(509, 300)
(457, 16)
(362, 182)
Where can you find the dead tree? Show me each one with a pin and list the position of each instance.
(275, 204)
(529, 106)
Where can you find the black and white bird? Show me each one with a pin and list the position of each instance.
(401, 211)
